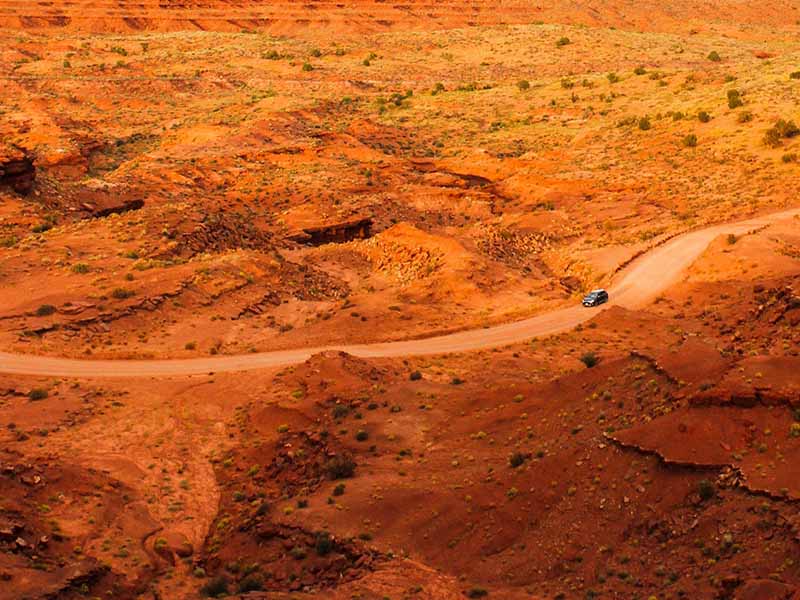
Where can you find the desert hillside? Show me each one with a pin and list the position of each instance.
(290, 300)
(291, 17)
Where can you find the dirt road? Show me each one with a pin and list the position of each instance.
(638, 284)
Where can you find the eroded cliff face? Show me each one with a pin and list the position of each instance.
(17, 170)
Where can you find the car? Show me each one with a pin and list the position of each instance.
(595, 298)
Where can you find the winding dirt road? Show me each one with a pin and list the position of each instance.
(635, 286)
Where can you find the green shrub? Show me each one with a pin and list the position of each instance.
(437, 89)
(787, 129)
(772, 138)
(251, 583)
(564, 41)
(45, 310)
(590, 359)
(307, 66)
(523, 84)
(516, 459)
(121, 293)
(38, 394)
(794, 75)
(341, 466)
(790, 157)
(644, 124)
(612, 78)
(324, 544)
(745, 117)
(340, 411)
(639, 71)
(215, 588)
(714, 56)
(731, 239)
(706, 489)
(734, 99)
(703, 116)
(80, 268)
(690, 141)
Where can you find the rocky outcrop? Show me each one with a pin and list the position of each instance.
(17, 170)
(112, 207)
(345, 231)
(219, 233)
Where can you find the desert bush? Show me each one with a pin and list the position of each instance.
(612, 78)
(323, 544)
(45, 310)
(734, 99)
(307, 66)
(563, 41)
(362, 435)
(477, 592)
(745, 117)
(790, 157)
(703, 116)
(415, 376)
(340, 411)
(690, 141)
(121, 293)
(786, 129)
(523, 84)
(772, 138)
(639, 71)
(714, 56)
(316, 53)
(251, 583)
(644, 124)
(794, 75)
(706, 489)
(677, 116)
(271, 55)
(731, 239)
(341, 466)
(438, 88)
(338, 490)
(80, 268)
(216, 587)
(589, 359)
(516, 459)
(38, 394)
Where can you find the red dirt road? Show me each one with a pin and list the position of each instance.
(637, 285)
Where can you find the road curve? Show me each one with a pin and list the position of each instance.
(643, 280)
